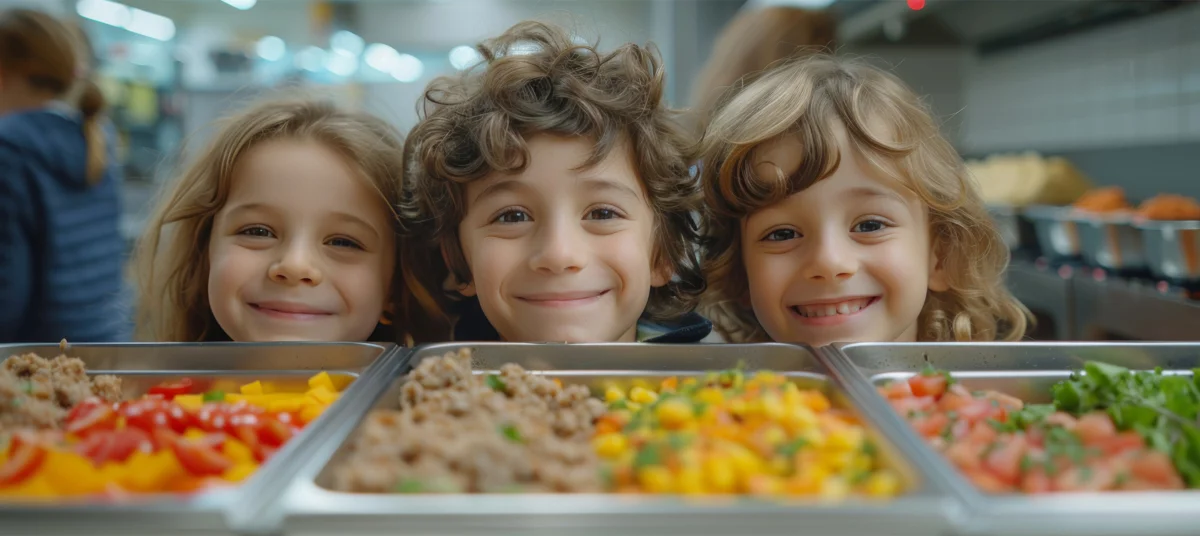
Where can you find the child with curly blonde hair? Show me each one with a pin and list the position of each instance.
(284, 229)
(838, 213)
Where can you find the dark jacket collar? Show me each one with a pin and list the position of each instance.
(472, 325)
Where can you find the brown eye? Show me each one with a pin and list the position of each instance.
(781, 235)
(869, 226)
(513, 216)
(257, 231)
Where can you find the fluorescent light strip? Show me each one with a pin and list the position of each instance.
(138, 21)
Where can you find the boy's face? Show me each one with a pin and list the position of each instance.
(558, 253)
(848, 259)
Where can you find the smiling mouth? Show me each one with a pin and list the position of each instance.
(563, 299)
(830, 309)
(289, 310)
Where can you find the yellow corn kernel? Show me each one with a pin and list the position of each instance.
(808, 480)
(691, 481)
(656, 479)
(674, 413)
(192, 402)
(610, 445)
(688, 382)
(322, 395)
(861, 463)
(613, 394)
(239, 472)
(252, 388)
(835, 460)
(774, 435)
(772, 407)
(799, 419)
(745, 463)
(711, 396)
(845, 438)
(633, 406)
(778, 466)
(287, 404)
(882, 484)
(720, 473)
(814, 437)
(641, 395)
(737, 407)
(322, 380)
(792, 396)
(834, 489)
(238, 452)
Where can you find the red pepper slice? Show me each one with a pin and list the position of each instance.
(170, 390)
(199, 459)
(90, 416)
(24, 459)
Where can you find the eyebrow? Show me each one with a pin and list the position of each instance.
(506, 185)
(868, 191)
(600, 184)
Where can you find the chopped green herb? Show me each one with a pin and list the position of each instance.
(647, 456)
(214, 396)
(869, 448)
(27, 386)
(511, 433)
(409, 485)
(496, 384)
(789, 449)
(678, 441)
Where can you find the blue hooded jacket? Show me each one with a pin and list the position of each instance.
(61, 249)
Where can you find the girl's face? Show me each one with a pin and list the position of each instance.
(302, 250)
(848, 259)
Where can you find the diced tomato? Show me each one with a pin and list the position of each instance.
(1009, 403)
(955, 399)
(1121, 442)
(114, 445)
(931, 425)
(24, 458)
(933, 385)
(1004, 458)
(981, 433)
(226, 417)
(1035, 481)
(1156, 467)
(1095, 428)
(90, 415)
(149, 414)
(198, 458)
(896, 389)
(170, 390)
(1095, 476)
(1063, 420)
(912, 404)
(976, 411)
(966, 456)
(274, 433)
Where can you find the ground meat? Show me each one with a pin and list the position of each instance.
(38, 392)
(458, 432)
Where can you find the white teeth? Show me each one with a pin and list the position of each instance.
(843, 308)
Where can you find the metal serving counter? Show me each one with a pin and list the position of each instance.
(1027, 371)
(1089, 304)
(290, 494)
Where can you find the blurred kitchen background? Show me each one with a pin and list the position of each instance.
(1112, 87)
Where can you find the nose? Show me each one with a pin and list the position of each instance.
(832, 258)
(560, 248)
(296, 266)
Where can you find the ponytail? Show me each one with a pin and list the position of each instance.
(91, 104)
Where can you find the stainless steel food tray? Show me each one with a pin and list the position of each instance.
(143, 365)
(309, 508)
(1027, 370)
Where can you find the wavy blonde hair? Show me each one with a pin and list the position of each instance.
(171, 261)
(806, 98)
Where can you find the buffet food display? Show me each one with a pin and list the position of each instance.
(848, 439)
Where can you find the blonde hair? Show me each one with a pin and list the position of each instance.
(48, 54)
(756, 40)
(171, 263)
(805, 98)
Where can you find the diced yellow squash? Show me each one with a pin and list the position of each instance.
(192, 402)
(252, 388)
(293, 403)
(321, 380)
(322, 395)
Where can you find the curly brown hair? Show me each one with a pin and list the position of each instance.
(804, 98)
(535, 80)
(171, 262)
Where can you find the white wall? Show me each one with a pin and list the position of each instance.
(1133, 84)
(934, 73)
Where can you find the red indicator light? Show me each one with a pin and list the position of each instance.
(916, 5)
